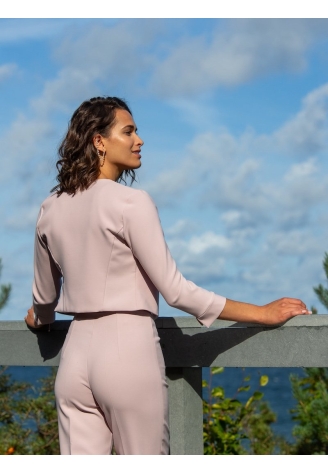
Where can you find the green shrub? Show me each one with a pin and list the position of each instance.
(311, 412)
(28, 417)
(235, 428)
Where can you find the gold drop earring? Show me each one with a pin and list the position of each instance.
(101, 157)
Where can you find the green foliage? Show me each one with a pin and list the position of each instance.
(311, 393)
(28, 417)
(234, 428)
(311, 412)
(4, 291)
(320, 291)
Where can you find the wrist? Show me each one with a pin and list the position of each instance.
(37, 324)
(261, 314)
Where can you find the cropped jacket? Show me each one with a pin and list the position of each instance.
(103, 249)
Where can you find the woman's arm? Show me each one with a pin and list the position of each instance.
(46, 284)
(144, 235)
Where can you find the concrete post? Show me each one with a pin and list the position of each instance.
(186, 410)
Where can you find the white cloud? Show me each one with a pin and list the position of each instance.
(202, 257)
(245, 49)
(248, 177)
(113, 52)
(221, 166)
(169, 185)
(197, 112)
(208, 241)
(295, 242)
(307, 132)
(272, 209)
(7, 71)
(237, 219)
(22, 143)
(14, 30)
(302, 170)
(253, 265)
(26, 219)
(96, 59)
(181, 228)
(70, 86)
(301, 195)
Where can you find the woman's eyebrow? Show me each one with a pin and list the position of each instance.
(131, 127)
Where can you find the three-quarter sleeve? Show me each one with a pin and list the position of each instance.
(144, 235)
(47, 282)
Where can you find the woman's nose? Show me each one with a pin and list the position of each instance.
(140, 141)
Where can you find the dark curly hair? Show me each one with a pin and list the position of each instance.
(78, 166)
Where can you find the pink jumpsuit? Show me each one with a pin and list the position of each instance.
(101, 256)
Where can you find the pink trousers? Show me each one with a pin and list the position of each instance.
(111, 388)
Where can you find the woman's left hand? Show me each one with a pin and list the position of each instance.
(29, 319)
(276, 312)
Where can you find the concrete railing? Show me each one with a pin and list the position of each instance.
(188, 347)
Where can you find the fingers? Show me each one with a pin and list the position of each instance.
(295, 305)
(28, 321)
(292, 301)
(293, 313)
(295, 309)
(289, 312)
(29, 318)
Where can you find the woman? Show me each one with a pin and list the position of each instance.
(100, 255)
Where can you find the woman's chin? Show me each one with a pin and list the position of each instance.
(137, 164)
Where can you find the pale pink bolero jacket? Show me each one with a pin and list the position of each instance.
(104, 250)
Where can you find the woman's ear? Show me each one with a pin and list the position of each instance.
(97, 141)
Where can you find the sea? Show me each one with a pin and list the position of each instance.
(277, 392)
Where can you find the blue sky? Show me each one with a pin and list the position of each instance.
(233, 113)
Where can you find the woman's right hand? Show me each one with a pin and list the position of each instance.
(29, 319)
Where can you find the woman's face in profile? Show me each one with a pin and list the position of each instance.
(123, 145)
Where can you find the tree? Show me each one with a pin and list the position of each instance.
(4, 291)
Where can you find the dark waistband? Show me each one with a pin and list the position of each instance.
(97, 315)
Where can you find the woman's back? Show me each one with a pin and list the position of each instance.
(85, 236)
